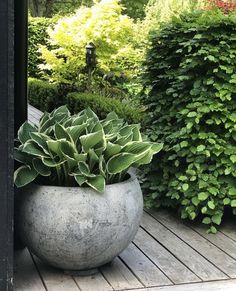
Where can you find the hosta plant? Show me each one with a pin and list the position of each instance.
(70, 150)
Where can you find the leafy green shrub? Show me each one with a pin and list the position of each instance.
(191, 77)
(102, 106)
(43, 95)
(80, 150)
(37, 29)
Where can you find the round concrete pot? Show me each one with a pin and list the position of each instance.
(78, 228)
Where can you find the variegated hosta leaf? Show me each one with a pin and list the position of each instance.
(41, 168)
(112, 150)
(91, 140)
(97, 183)
(80, 147)
(24, 132)
(120, 162)
(32, 148)
(24, 175)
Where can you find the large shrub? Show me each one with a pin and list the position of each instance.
(191, 78)
(102, 106)
(105, 26)
(37, 29)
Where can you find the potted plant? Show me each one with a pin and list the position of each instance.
(79, 207)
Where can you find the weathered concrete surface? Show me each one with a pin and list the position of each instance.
(78, 228)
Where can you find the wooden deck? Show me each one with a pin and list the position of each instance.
(167, 255)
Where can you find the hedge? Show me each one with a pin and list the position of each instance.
(46, 96)
(191, 76)
(43, 95)
(102, 106)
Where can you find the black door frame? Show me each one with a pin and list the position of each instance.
(13, 112)
(6, 143)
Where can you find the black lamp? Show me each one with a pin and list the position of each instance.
(90, 62)
(91, 55)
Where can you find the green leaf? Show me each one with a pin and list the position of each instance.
(97, 183)
(226, 201)
(80, 179)
(54, 146)
(211, 205)
(62, 133)
(120, 162)
(84, 169)
(40, 139)
(195, 201)
(52, 163)
(41, 168)
(233, 203)
(206, 220)
(233, 158)
(23, 158)
(112, 149)
(232, 191)
(214, 191)
(203, 196)
(24, 132)
(90, 140)
(201, 148)
(192, 114)
(212, 230)
(217, 219)
(24, 175)
(76, 131)
(185, 187)
(33, 149)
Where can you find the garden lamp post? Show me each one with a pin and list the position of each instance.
(90, 62)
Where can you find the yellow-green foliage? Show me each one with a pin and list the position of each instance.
(106, 26)
(161, 11)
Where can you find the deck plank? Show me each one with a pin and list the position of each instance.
(143, 268)
(186, 254)
(91, 283)
(229, 229)
(205, 248)
(171, 267)
(119, 276)
(220, 240)
(225, 285)
(26, 276)
(54, 279)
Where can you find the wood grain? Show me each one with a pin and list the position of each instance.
(143, 268)
(26, 276)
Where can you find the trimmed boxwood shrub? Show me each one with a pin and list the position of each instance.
(191, 80)
(47, 96)
(102, 106)
(43, 95)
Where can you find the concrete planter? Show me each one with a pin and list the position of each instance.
(78, 228)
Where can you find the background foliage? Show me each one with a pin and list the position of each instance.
(105, 26)
(191, 79)
(37, 30)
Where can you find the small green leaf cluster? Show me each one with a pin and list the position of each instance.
(80, 150)
(191, 80)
